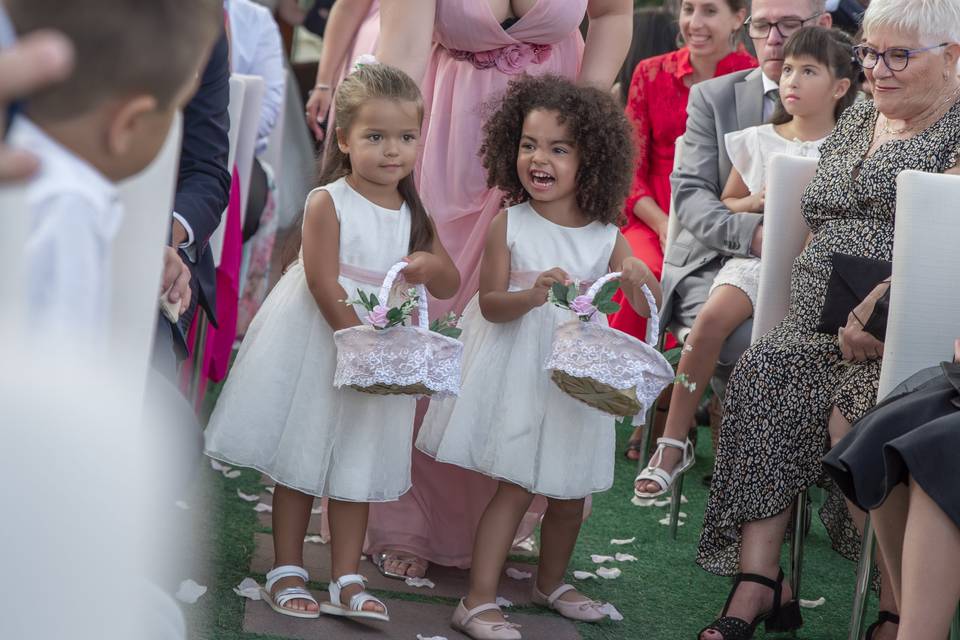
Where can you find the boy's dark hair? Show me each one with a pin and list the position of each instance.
(832, 48)
(122, 47)
(599, 130)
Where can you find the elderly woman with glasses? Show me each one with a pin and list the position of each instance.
(799, 388)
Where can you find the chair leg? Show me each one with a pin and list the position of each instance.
(862, 593)
(797, 540)
(645, 439)
(675, 500)
(199, 348)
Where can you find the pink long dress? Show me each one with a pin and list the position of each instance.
(472, 61)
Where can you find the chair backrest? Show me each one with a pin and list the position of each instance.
(673, 227)
(138, 257)
(16, 226)
(924, 314)
(273, 154)
(249, 126)
(235, 109)
(784, 233)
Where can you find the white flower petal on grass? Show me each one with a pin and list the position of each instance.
(599, 559)
(661, 503)
(516, 574)
(420, 582)
(247, 497)
(527, 544)
(182, 505)
(263, 508)
(270, 490)
(584, 575)
(189, 592)
(624, 541)
(422, 637)
(611, 612)
(216, 466)
(666, 520)
(681, 514)
(642, 502)
(503, 602)
(248, 588)
(231, 475)
(609, 572)
(813, 604)
(316, 539)
(625, 557)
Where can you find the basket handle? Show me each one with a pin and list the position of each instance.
(423, 316)
(653, 323)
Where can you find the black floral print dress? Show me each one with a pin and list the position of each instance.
(778, 400)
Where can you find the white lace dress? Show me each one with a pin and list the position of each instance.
(279, 412)
(511, 421)
(750, 150)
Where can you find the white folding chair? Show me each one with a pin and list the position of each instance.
(273, 154)
(16, 226)
(249, 126)
(235, 111)
(924, 316)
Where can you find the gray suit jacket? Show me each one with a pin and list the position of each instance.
(708, 230)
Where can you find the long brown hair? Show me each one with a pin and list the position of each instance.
(371, 82)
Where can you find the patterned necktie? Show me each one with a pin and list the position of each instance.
(774, 95)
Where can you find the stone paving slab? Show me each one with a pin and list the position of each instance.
(407, 619)
(450, 582)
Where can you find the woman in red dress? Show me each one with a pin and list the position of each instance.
(657, 107)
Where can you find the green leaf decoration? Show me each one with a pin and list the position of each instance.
(606, 293)
(364, 299)
(573, 290)
(608, 307)
(373, 301)
(395, 315)
(560, 294)
(673, 356)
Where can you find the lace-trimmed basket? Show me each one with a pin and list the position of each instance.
(606, 368)
(399, 360)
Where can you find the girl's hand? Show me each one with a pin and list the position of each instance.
(634, 274)
(546, 280)
(756, 201)
(421, 267)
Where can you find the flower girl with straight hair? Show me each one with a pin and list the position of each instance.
(562, 154)
(279, 412)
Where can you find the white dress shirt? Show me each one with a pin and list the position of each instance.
(75, 213)
(256, 49)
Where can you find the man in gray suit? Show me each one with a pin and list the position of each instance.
(708, 232)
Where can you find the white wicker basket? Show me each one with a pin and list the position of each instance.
(399, 360)
(606, 368)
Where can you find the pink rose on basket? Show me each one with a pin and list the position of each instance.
(378, 316)
(583, 306)
(514, 58)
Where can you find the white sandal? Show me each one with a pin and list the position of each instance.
(279, 600)
(355, 608)
(654, 473)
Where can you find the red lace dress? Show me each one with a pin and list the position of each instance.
(657, 108)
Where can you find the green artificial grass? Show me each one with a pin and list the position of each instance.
(664, 595)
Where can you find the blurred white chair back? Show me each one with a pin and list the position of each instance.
(138, 257)
(249, 126)
(273, 155)
(16, 225)
(924, 314)
(235, 110)
(784, 233)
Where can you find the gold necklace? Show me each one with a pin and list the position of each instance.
(922, 124)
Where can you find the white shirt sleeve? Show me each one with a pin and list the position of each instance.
(268, 64)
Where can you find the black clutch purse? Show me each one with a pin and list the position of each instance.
(851, 280)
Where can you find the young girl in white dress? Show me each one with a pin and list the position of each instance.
(279, 412)
(562, 154)
(819, 80)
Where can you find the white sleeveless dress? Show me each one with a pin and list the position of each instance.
(510, 420)
(279, 412)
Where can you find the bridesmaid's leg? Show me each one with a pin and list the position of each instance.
(291, 515)
(558, 537)
(495, 534)
(931, 582)
(348, 524)
(889, 521)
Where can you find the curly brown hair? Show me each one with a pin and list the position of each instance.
(597, 126)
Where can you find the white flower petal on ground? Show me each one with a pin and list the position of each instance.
(642, 502)
(231, 475)
(682, 514)
(611, 612)
(503, 602)
(263, 508)
(625, 557)
(661, 503)
(599, 559)
(182, 505)
(584, 575)
(216, 466)
(248, 588)
(527, 544)
(189, 592)
(516, 574)
(270, 490)
(422, 637)
(666, 520)
(609, 573)
(247, 497)
(316, 539)
(813, 604)
(420, 582)
(624, 541)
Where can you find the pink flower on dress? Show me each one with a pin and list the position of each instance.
(485, 59)
(511, 59)
(583, 306)
(378, 316)
(514, 58)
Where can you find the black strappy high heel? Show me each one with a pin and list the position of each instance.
(883, 616)
(780, 618)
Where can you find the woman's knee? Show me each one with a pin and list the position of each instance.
(837, 425)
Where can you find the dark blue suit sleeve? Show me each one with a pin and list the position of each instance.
(203, 185)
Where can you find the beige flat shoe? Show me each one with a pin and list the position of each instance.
(582, 610)
(465, 621)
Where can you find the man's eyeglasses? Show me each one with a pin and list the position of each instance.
(896, 58)
(758, 29)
